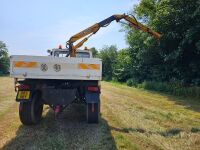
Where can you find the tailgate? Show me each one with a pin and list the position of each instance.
(47, 67)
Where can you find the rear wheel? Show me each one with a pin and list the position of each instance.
(31, 112)
(92, 112)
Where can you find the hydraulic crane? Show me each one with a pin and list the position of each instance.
(132, 22)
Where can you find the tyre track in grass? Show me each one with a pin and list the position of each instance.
(70, 131)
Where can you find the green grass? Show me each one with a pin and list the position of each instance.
(131, 119)
(172, 88)
(176, 89)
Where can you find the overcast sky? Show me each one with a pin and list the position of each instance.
(31, 27)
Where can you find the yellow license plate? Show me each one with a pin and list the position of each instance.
(23, 95)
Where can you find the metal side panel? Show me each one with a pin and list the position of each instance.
(47, 67)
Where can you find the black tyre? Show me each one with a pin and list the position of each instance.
(93, 112)
(31, 112)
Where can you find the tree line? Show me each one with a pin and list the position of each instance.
(174, 58)
(4, 59)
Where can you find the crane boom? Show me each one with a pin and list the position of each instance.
(132, 22)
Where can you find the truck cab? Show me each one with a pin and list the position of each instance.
(56, 52)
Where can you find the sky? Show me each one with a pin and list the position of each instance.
(30, 27)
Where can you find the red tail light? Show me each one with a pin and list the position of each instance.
(93, 88)
(23, 87)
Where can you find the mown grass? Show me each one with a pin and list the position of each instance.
(131, 119)
(163, 121)
(7, 94)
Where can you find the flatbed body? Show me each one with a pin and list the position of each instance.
(48, 67)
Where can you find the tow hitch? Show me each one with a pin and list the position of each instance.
(58, 109)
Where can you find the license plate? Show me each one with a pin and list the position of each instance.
(23, 95)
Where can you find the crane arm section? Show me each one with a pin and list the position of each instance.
(88, 32)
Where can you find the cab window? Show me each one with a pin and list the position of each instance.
(78, 54)
(83, 55)
(60, 53)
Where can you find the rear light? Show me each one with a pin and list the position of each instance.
(23, 87)
(93, 88)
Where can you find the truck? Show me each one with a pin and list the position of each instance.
(64, 76)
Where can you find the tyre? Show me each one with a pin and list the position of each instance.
(31, 112)
(92, 112)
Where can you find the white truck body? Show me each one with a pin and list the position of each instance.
(49, 67)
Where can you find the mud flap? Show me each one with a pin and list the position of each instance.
(93, 106)
(92, 97)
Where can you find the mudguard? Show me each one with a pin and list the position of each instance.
(92, 97)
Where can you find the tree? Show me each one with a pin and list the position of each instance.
(94, 52)
(177, 54)
(4, 59)
(122, 66)
(108, 54)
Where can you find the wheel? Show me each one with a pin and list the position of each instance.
(92, 112)
(31, 112)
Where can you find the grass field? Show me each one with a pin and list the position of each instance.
(130, 119)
